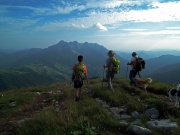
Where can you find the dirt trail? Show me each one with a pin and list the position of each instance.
(8, 122)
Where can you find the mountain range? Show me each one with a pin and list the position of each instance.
(37, 66)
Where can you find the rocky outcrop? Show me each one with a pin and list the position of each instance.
(135, 126)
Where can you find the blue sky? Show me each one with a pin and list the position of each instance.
(125, 25)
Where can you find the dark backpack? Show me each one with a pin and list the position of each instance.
(140, 64)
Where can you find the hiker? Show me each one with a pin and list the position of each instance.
(79, 72)
(133, 72)
(109, 72)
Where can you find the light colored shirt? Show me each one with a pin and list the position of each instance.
(133, 59)
(108, 62)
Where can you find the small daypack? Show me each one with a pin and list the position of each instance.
(78, 73)
(140, 64)
(115, 65)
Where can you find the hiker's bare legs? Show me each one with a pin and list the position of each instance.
(77, 92)
(109, 78)
(80, 91)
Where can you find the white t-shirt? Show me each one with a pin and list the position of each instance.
(132, 60)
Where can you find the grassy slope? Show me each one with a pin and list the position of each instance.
(32, 75)
(84, 117)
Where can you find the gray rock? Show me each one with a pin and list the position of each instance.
(7, 133)
(136, 122)
(165, 124)
(115, 110)
(125, 116)
(106, 106)
(138, 130)
(152, 112)
(123, 122)
(117, 116)
(13, 104)
(135, 114)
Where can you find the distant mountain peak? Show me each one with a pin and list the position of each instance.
(62, 41)
(74, 42)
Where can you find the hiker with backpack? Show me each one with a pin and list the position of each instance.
(79, 73)
(113, 67)
(133, 72)
(137, 65)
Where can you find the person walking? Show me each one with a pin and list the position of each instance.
(133, 72)
(109, 73)
(79, 73)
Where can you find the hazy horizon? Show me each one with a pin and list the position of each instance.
(126, 51)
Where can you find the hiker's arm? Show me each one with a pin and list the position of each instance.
(130, 63)
(85, 73)
(107, 63)
(133, 61)
(86, 77)
(72, 77)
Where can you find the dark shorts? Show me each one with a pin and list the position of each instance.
(78, 84)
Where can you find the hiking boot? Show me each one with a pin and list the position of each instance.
(77, 99)
(80, 98)
(112, 89)
(133, 84)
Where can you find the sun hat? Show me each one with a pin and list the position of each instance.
(111, 53)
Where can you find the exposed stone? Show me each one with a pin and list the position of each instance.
(138, 130)
(115, 110)
(117, 116)
(124, 122)
(135, 114)
(7, 133)
(136, 122)
(120, 113)
(125, 116)
(152, 112)
(12, 104)
(165, 124)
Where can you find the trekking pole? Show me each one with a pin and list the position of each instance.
(103, 77)
(126, 71)
(139, 75)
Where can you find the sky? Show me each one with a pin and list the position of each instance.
(124, 25)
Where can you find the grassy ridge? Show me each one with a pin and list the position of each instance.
(32, 75)
(87, 116)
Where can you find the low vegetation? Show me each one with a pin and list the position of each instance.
(84, 117)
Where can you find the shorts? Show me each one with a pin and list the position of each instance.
(78, 84)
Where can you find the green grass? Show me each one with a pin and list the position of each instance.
(47, 122)
(87, 116)
(18, 96)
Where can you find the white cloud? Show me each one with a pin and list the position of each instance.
(134, 29)
(78, 26)
(175, 37)
(100, 27)
(67, 9)
(173, 28)
(109, 4)
(161, 32)
(57, 26)
(114, 18)
(169, 11)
